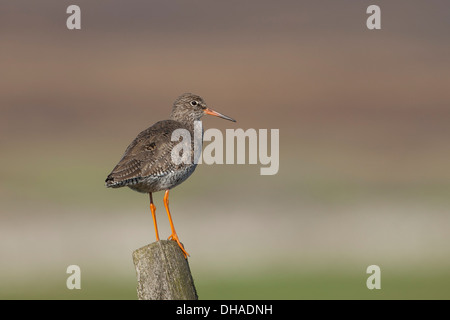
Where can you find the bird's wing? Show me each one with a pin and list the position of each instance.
(148, 154)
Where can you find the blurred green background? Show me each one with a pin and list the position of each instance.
(364, 120)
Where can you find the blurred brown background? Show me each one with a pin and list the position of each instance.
(364, 145)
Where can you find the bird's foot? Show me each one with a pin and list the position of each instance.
(174, 237)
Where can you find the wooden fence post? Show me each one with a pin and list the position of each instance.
(163, 273)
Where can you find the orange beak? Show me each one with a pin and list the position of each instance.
(215, 113)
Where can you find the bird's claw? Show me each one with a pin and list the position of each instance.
(174, 237)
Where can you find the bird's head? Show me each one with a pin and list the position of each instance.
(189, 107)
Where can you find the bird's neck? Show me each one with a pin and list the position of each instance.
(186, 120)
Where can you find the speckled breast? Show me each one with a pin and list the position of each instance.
(165, 181)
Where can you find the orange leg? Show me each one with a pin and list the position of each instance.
(173, 236)
(153, 210)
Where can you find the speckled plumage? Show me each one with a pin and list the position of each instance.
(147, 165)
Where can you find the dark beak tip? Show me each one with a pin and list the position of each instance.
(230, 119)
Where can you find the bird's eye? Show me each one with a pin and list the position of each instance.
(194, 103)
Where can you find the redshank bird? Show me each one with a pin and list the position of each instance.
(147, 165)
